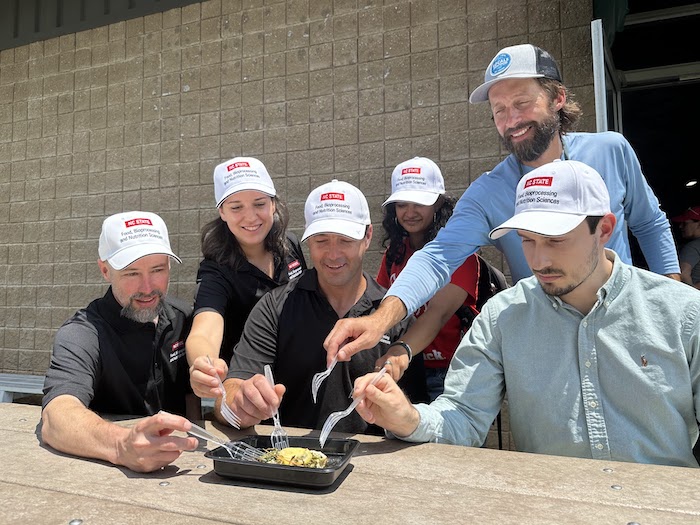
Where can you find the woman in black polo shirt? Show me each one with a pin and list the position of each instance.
(247, 252)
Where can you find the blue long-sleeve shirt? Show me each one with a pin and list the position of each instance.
(490, 200)
(621, 383)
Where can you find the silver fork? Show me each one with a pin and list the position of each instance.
(279, 436)
(320, 377)
(337, 416)
(228, 414)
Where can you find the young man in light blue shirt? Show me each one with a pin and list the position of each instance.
(601, 360)
(535, 117)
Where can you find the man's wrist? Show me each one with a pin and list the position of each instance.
(391, 310)
(405, 346)
(411, 425)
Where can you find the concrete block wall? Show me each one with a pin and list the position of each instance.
(135, 115)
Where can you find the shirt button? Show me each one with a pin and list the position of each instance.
(593, 404)
(607, 304)
(585, 324)
(588, 364)
(599, 446)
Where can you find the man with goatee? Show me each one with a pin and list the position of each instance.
(123, 354)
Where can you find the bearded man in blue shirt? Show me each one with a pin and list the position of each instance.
(601, 359)
(535, 118)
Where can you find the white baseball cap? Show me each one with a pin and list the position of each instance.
(417, 180)
(336, 207)
(241, 173)
(130, 235)
(555, 198)
(522, 61)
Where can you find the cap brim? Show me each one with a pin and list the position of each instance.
(685, 217)
(248, 186)
(481, 94)
(351, 229)
(124, 258)
(540, 222)
(424, 198)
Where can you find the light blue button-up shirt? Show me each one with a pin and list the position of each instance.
(489, 201)
(620, 383)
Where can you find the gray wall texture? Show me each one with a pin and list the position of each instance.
(135, 115)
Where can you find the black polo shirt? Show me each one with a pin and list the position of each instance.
(286, 329)
(233, 292)
(118, 366)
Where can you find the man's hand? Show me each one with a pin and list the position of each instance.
(397, 362)
(203, 376)
(350, 336)
(149, 446)
(386, 405)
(254, 399)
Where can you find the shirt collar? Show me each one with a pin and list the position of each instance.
(619, 276)
(373, 293)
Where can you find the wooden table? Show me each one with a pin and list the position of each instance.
(389, 482)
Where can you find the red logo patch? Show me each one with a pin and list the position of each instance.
(235, 165)
(293, 264)
(177, 346)
(332, 196)
(538, 181)
(406, 171)
(138, 222)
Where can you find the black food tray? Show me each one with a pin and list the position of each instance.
(339, 452)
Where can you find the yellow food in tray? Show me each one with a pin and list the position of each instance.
(295, 456)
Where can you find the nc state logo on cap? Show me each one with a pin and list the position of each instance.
(137, 222)
(538, 181)
(236, 165)
(332, 196)
(406, 171)
(500, 64)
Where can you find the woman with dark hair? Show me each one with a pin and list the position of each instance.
(413, 215)
(247, 252)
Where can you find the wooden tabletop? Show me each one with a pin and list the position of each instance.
(388, 482)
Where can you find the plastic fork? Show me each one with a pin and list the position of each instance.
(320, 377)
(203, 434)
(235, 449)
(228, 414)
(279, 436)
(337, 416)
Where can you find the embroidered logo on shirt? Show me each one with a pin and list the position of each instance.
(294, 269)
(177, 351)
(385, 339)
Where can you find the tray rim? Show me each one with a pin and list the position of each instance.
(295, 475)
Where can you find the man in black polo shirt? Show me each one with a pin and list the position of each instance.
(123, 354)
(287, 327)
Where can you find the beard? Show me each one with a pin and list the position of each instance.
(558, 291)
(143, 315)
(532, 149)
